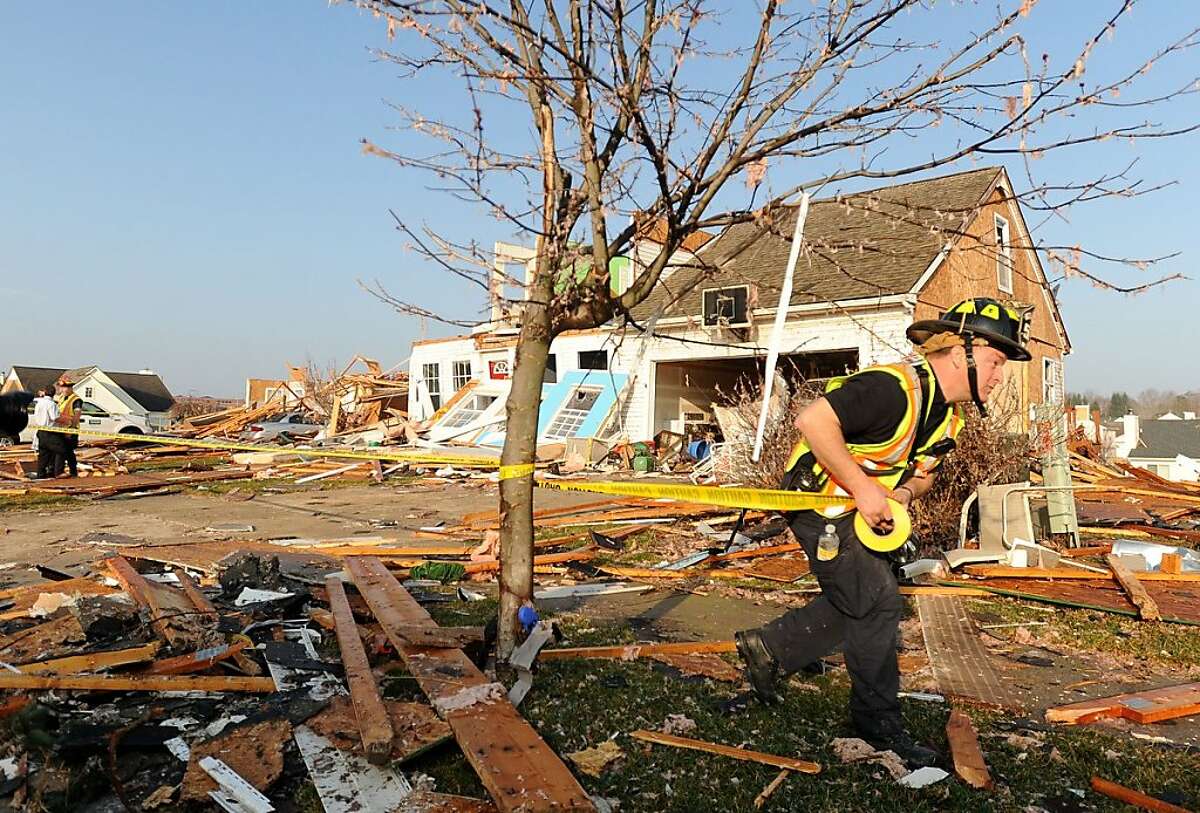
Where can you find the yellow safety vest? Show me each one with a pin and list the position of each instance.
(895, 457)
(66, 406)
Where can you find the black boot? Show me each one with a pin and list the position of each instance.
(889, 735)
(762, 670)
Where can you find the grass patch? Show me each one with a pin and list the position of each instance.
(38, 501)
(577, 704)
(168, 463)
(1089, 630)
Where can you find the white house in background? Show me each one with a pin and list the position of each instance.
(877, 261)
(141, 396)
(1166, 446)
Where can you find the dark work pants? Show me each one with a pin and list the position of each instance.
(50, 451)
(69, 443)
(859, 609)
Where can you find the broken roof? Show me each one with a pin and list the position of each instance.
(146, 388)
(1167, 439)
(873, 243)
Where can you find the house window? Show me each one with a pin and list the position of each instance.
(551, 374)
(573, 413)
(593, 359)
(460, 374)
(467, 413)
(431, 375)
(87, 392)
(1052, 381)
(1004, 259)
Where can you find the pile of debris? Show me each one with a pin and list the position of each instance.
(162, 691)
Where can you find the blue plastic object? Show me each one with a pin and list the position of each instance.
(699, 449)
(528, 617)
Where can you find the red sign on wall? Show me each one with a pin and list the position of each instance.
(498, 369)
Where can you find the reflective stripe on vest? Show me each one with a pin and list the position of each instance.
(67, 405)
(889, 460)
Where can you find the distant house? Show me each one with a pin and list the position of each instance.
(876, 261)
(141, 395)
(1168, 446)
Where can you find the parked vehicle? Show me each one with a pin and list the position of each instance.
(294, 423)
(98, 419)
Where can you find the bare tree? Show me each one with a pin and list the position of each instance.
(639, 111)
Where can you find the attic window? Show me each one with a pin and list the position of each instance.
(1004, 258)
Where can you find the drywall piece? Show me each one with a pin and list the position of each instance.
(923, 778)
(347, 783)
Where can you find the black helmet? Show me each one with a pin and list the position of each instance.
(983, 318)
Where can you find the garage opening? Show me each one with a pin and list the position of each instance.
(685, 391)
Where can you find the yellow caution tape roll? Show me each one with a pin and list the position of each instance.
(885, 543)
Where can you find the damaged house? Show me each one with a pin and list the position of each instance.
(875, 261)
(137, 402)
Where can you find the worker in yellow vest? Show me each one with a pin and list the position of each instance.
(874, 436)
(69, 410)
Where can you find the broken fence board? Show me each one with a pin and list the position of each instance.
(1005, 572)
(969, 764)
(1147, 608)
(1150, 706)
(658, 738)
(196, 661)
(76, 664)
(136, 683)
(374, 725)
(515, 765)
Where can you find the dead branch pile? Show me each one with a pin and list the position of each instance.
(738, 423)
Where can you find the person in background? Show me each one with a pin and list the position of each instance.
(49, 444)
(40, 404)
(69, 410)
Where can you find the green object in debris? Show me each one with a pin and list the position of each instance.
(444, 572)
(644, 462)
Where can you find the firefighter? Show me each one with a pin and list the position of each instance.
(877, 435)
(69, 409)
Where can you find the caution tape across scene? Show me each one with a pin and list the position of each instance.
(758, 499)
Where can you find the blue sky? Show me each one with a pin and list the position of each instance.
(184, 190)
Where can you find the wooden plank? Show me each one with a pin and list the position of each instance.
(1147, 609)
(1005, 572)
(969, 764)
(374, 724)
(516, 766)
(1150, 706)
(783, 569)
(440, 637)
(194, 594)
(92, 662)
(137, 683)
(1133, 797)
(581, 555)
(630, 651)
(943, 590)
(746, 755)
(773, 550)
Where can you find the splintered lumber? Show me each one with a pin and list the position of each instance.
(1133, 797)
(773, 550)
(25, 597)
(581, 555)
(761, 798)
(441, 637)
(517, 767)
(374, 725)
(137, 683)
(166, 605)
(1150, 706)
(1172, 564)
(1147, 608)
(196, 661)
(969, 765)
(631, 651)
(659, 738)
(92, 662)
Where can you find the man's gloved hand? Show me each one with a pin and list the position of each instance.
(14, 412)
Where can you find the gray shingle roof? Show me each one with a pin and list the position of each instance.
(1167, 439)
(873, 243)
(145, 388)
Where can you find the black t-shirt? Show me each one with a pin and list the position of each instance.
(870, 405)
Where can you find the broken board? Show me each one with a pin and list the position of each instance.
(1150, 706)
(515, 765)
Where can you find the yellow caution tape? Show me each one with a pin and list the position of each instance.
(760, 499)
(516, 471)
(465, 461)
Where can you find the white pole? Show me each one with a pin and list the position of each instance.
(785, 299)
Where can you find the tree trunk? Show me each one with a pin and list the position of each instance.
(516, 493)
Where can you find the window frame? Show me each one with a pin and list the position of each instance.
(431, 374)
(1002, 231)
(457, 380)
(595, 353)
(568, 419)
